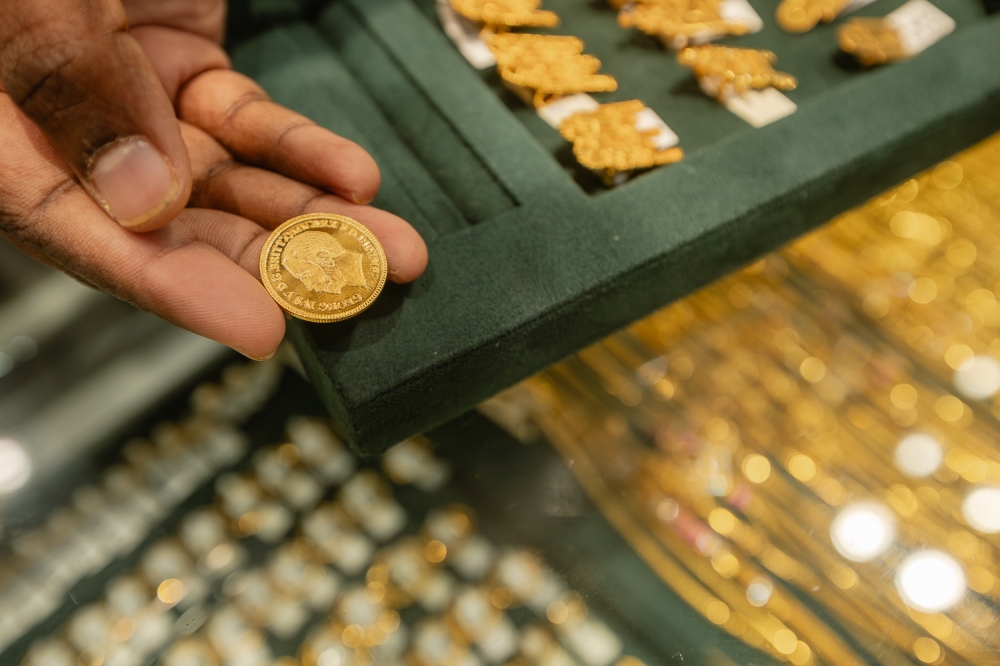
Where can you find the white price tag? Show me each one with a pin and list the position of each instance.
(761, 107)
(740, 11)
(856, 5)
(554, 113)
(465, 34)
(920, 24)
(664, 137)
(736, 11)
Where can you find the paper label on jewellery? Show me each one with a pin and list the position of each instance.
(465, 34)
(664, 137)
(554, 113)
(740, 11)
(919, 24)
(761, 107)
(737, 11)
(856, 5)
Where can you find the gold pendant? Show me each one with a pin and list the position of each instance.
(606, 140)
(541, 68)
(322, 267)
(501, 15)
(804, 15)
(871, 41)
(676, 22)
(725, 72)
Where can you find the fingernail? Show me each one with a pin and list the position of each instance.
(358, 199)
(134, 180)
(259, 358)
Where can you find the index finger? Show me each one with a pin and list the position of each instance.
(238, 113)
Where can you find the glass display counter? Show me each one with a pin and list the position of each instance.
(798, 463)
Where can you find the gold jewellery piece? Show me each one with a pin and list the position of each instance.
(677, 22)
(871, 41)
(322, 267)
(725, 72)
(804, 15)
(607, 140)
(542, 68)
(501, 15)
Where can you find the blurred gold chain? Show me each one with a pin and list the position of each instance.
(726, 435)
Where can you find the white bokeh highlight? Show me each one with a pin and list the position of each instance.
(978, 378)
(918, 455)
(759, 591)
(931, 581)
(862, 531)
(15, 466)
(981, 509)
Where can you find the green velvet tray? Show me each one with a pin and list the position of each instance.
(530, 258)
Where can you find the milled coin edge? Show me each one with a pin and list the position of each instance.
(331, 318)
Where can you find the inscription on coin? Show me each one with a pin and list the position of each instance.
(323, 267)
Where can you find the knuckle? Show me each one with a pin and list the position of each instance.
(35, 67)
(28, 226)
(13, 224)
(286, 133)
(242, 105)
(43, 53)
(48, 61)
(205, 189)
(216, 116)
(312, 202)
(201, 17)
(46, 82)
(249, 253)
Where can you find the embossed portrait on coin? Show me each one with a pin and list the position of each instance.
(322, 264)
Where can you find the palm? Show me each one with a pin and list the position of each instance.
(254, 165)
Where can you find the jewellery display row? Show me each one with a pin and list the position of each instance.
(552, 74)
(545, 69)
(303, 546)
(110, 519)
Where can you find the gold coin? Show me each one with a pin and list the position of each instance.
(323, 267)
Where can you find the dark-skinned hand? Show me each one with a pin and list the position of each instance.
(135, 160)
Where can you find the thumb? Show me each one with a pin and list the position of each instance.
(74, 69)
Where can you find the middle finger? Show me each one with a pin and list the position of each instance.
(269, 199)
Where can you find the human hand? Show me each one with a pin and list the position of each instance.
(252, 161)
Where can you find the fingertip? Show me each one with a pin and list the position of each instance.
(255, 330)
(405, 250)
(261, 341)
(338, 165)
(366, 177)
(409, 260)
(199, 288)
